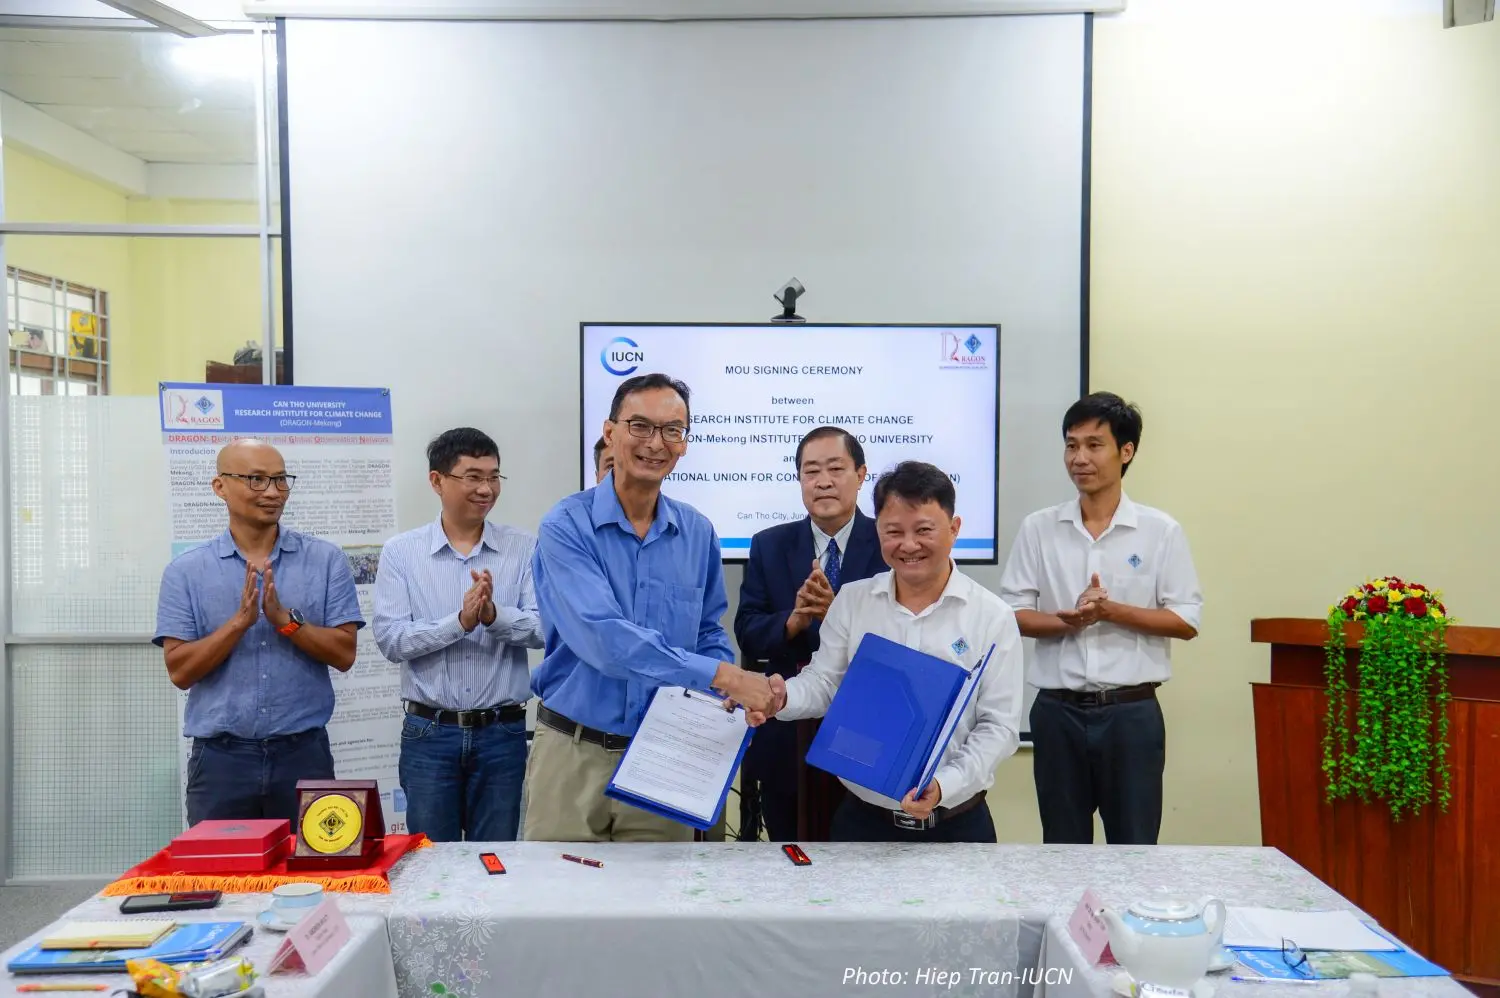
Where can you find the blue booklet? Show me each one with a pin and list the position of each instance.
(190, 942)
(893, 716)
(1332, 965)
(683, 757)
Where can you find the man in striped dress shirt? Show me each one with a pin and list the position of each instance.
(454, 604)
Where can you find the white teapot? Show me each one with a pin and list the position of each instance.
(1166, 939)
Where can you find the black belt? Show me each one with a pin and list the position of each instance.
(1104, 698)
(481, 718)
(563, 725)
(939, 814)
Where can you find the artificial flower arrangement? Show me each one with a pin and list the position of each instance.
(1397, 751)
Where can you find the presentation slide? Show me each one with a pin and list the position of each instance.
(925, 393)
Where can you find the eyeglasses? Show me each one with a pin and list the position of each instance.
(1295, 959)
(672, 433)
(259, 483)
(473, 480)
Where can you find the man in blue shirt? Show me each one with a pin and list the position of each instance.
(631, 591)
(250, 623)
(454, 604)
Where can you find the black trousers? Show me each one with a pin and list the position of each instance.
(1108, 759)
(856, 821)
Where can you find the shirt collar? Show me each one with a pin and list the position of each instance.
(437, 538)
(286, 540)
(820, 539)
(959, 586)
(1126, 514)
(605, 508)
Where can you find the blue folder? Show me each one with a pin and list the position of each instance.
(190, 942)
(889, 714)
(656, 807)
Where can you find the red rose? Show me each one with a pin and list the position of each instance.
(1417, 588)
(1377, 604)
(1369, 588)
(1415, 606)
(1349, 605)
(1442, 609)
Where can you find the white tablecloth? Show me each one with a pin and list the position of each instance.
(362, 969)
(712, 920)
(738, 919)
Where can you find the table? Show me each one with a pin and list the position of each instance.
(737, 919)
(362, 969)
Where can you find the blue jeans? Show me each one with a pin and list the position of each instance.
(463, 782)
(239, 778)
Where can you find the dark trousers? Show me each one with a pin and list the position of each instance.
(463, 782)
(1108, 759)
(239, 778)
(857, 821)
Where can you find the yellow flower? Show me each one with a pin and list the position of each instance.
(1380, 583)
(1438, 614)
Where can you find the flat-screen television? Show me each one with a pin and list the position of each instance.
(925, 392)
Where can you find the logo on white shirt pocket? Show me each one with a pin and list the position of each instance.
(1134, 561)
(959, 647)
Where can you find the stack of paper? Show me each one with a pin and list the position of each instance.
(1265, 928)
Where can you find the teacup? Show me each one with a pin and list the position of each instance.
(290, 902)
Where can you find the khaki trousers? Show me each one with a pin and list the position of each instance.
(565, 802)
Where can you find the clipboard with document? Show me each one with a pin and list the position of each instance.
(683, 758)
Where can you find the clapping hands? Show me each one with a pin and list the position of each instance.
(479, 602)
(1092, 605)
(813, 600)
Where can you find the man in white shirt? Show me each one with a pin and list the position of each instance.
(1103, 585)
(926, 603)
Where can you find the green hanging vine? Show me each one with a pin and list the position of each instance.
(1397, 749)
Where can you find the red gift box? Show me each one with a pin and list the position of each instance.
(234, 862)
(252, 837)
(250, 846)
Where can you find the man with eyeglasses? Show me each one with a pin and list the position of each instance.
(631, 590)
(250, 624)
(454, 605)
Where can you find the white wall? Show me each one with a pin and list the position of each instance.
(463, 195)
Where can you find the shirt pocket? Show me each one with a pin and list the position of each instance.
(1133, 585)
(684, 611)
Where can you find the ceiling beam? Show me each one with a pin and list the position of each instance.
(164, 17)
(666, 10)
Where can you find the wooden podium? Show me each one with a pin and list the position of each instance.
(1433, 879)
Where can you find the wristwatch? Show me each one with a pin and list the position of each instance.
(292, 626)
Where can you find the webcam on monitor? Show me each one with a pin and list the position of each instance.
(788, 294)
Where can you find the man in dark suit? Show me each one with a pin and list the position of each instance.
(792, 575)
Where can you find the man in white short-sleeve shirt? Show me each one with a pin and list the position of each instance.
(926, 603)
(1103, 585)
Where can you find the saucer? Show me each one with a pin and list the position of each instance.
(1221, 960)
(268, 920)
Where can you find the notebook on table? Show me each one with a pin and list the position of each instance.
(116, 933)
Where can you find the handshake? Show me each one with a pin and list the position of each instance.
(763, 697)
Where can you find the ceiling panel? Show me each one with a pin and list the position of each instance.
(152, 94)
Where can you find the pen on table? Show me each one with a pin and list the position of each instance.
(62, 987)
(1274, 980)
(586, 862)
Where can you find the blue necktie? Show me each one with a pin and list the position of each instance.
(831, 564)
